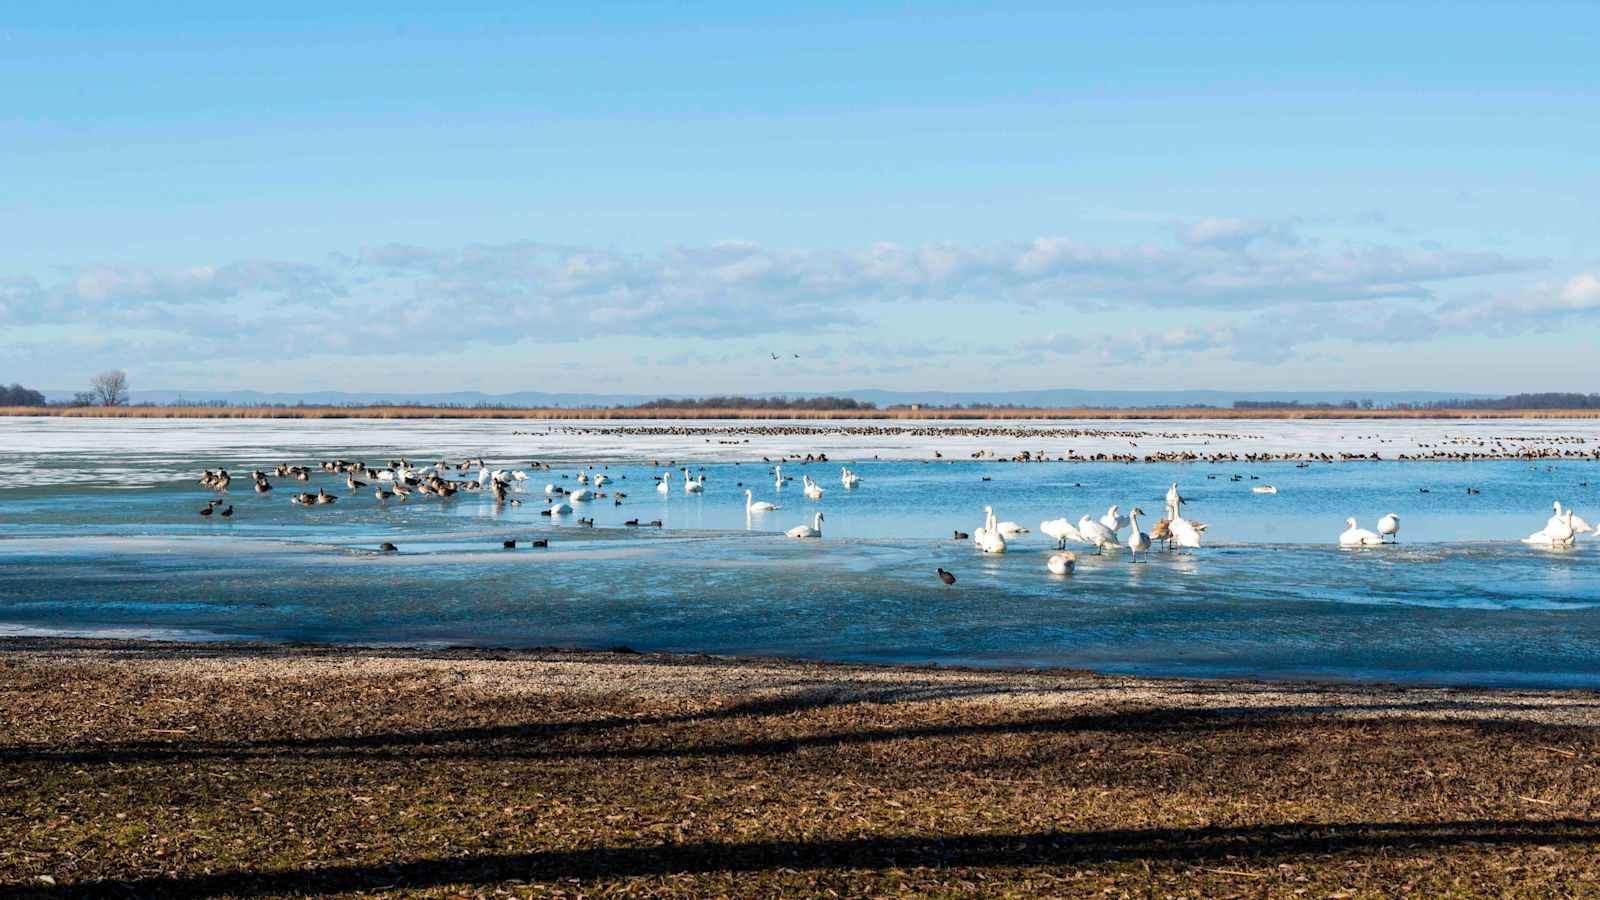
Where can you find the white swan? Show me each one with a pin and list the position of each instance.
(1175, 502)
(1062, 530)
(848, 478)
(560, 508)
(1389, 526)
(1579, 526)
(1558, 532)
(665, 485)
(1060, 563)
(1096, 534)
(548, 489)
(582, 495)
(778, 470)
(1010, 529)
(1357, 537)
(988, 538)
(813, 490)
(1264, 489)
(814, 530)
(1138, 541)
(758, 506)
(600, 480)
(1113, 520)
(692, 486)
(1184, 532)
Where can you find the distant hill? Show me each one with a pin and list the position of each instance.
(1059, 398)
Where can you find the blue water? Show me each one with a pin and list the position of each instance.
(99, 535)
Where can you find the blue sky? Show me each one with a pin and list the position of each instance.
(651, 197)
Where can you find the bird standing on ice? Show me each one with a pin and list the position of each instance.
(1389, 526)
(1357, 537)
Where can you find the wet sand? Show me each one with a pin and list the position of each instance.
(245, 769)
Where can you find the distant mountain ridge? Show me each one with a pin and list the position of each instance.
(1050, 398)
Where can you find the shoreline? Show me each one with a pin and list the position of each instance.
(683, 675)
(586, 413)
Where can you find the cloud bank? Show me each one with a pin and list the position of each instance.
(1258, 289)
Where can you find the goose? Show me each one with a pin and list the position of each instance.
(1113, 520)
(665, 484)
(1061, 563)
(324, 497)
(753, 505)
(381, 494)
(351, 482)
(1096, 534)
(814, 530)
(1357, 537)
(1138, 541)
(1389, 526)
(1062, 530)
(1185, 533)
(263, 486)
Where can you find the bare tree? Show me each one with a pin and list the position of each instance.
(110, 388)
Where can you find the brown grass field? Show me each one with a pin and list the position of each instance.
(446, 412)
(197, 771)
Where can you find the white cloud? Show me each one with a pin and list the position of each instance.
(1271, 286)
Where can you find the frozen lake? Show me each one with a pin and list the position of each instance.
(99, 534)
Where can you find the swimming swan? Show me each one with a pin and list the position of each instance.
(814, 530)
(757, 506)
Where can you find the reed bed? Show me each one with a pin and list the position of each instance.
(447, 412)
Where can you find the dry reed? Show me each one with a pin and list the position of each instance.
(447, 412)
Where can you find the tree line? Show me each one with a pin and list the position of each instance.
(795, 403)
(17, 395)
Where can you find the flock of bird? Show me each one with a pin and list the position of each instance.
(400, 479)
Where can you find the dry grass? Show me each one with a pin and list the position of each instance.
(444, 412)
(126, 777)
